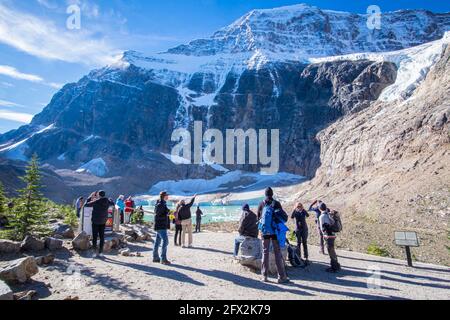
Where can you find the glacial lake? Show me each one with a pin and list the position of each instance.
(212, 213)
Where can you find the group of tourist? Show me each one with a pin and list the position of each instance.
(268, 222)
(182, 219)
(125, 208)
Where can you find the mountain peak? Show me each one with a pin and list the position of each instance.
(304, 30)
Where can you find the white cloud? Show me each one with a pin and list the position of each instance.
(16, 116)
(48, 4)
(4, 103)
(41, 38)
(7, 84)
(16, 74)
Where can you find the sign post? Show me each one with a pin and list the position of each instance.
(407, 240)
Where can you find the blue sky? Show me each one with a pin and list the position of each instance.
(38, 53)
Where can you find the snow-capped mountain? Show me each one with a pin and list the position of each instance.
(304, 31)
(297, 69)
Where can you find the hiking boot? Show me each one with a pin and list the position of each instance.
(166, 262)
(307, 263)
(101, 255)
(155, 260)
(283, 281)
(265, 279)
(331, 270)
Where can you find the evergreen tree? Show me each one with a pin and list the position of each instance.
(28, 215)
(3, 200)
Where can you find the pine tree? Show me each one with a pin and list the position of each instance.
(28, 215)
(3, 200)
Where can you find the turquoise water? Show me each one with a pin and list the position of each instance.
(211, 214)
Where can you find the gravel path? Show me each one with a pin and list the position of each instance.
(208, 272)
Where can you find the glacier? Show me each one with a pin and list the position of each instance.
(239, 181)
(96, 167)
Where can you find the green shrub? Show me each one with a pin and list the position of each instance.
(137, 217)
(375, 250)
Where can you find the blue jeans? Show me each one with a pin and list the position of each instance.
(161, 235)
(237, 244)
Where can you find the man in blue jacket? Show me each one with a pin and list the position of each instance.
(270, 213)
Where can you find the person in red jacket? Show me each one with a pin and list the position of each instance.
(129, 209)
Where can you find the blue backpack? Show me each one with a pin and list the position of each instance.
(266, 223)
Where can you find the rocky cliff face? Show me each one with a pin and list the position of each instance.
(114, 126)
(387, 168)
(132, 117)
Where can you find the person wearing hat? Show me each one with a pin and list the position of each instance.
(100, 207)
(269, 211)
(325, 223)
(314, 207)
(248, 228)
(162, 225)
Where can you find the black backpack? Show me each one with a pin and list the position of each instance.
(337, 225)
(294, 258)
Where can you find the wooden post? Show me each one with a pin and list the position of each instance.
(408, 256)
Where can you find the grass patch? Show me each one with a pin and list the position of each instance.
(376, 250)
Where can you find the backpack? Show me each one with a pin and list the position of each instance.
(266, 223)
(337, 222)
(294, 258)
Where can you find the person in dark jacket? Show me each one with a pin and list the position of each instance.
(162, 224)
(184, 214)
(198, 220)
(314, 207)
(178, 226)
(271, 236)
(248, 228)
(325, 223)
(100, 207)
(301, 229)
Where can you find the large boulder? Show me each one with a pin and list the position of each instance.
(19, 271)
(5, 292)
(136, 233)
(251, 255)
(63, 231)
(81, 242)
(7, 246)
(53, 243)
(31, 243)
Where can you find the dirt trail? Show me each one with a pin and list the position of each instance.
(208, 272)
